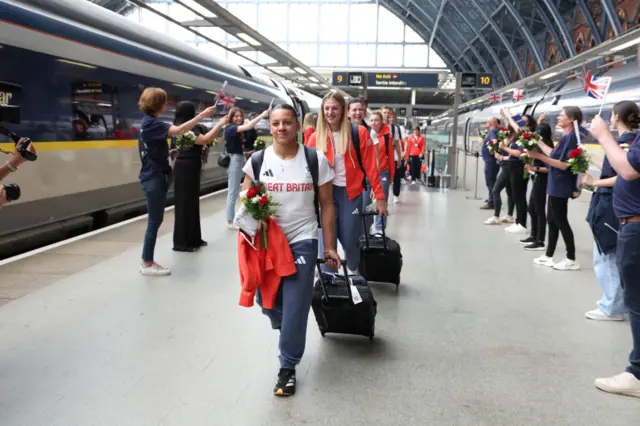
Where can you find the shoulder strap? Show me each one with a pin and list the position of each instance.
(386, 144)
(311, 155)
(355, 139)
(256, 164)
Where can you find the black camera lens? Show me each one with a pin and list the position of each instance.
(13, 191)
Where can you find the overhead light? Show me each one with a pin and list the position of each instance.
(104, 105)
(314, 85)
(211, 93)
(255, 102)
(239, 98)
(313, 79)
(250, 40)
(300, 70)
(183, 86)
(548, 76)
(625, 45)
(79, 64)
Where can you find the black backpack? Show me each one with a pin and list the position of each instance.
(355, 139)
(311, 155)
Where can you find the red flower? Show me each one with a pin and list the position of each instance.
(263, 201)
(575, 153)
(253, 191)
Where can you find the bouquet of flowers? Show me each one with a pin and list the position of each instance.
(259, 144)
(578, 160)
(258, 206)
(527, 142)
(483, 134)
(493, 146)
(503, 133)
(186, 141)
(625, 147)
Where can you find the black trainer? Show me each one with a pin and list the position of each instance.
(527, 241)
(286, 385)
(535, 247)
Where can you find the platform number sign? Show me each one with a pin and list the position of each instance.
(477, 80)
(348, 79)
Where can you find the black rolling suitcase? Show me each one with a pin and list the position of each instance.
(380, 257)
(336, 311)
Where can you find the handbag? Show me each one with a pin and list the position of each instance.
(225, 159)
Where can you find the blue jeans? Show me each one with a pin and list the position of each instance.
(155, 190)
(385, 181)
(293, 302)
(606, 270)
(348, 227)
(234, 175)
(627, 254)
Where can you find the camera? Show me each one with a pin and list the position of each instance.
(12, 191)
(11, 114)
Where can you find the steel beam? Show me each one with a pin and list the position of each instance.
(590, 22)
(526, 31)
(501, 36)
(554, 33)
(484, 41)
(612, 15)
(568, 39)
(435, 25)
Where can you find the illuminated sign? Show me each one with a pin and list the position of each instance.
(5, 98)
(477, 80)
(348, 79)
(397, 79)
(402, 111)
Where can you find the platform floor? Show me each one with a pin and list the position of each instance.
(476, 335)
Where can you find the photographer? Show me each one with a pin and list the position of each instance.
(11, 166)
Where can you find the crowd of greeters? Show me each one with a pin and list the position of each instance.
(614, 212)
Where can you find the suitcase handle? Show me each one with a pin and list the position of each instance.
(346, 277)
(366, 233)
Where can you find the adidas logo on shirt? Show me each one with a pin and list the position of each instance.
(356, 211)
(268, 173)
(301, 261)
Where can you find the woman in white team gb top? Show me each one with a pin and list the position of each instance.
(285, 174)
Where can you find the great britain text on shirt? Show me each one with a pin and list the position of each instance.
(289, 182)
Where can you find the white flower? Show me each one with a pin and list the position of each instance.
(625, 147)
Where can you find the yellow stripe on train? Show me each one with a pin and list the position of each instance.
(90, 144)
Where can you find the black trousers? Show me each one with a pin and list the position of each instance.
(397, 178)
(491, 170)
(503, 181)
(186, 228)
(519, 191)
(414, 166)
(559, 223)
(537, 207)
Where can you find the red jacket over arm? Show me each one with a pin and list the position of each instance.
(264, 268)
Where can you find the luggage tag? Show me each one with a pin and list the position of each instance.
(355, 294)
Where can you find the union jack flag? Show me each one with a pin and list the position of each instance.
(595, 87)
(495, 97)
(518, 94)
(227, 101)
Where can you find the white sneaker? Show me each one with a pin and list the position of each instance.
(622, 384)
(350, 272)
(154, 269)
(507, 219)
(413, 182)
(396, 200)
(544, 260)
(567, 265)
(492, 221)
(598, 315)
(516, 229)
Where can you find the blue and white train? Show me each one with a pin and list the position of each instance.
(82, 70)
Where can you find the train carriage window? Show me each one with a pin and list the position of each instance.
(95, 111)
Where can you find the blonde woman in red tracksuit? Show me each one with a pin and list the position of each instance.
(333, 138)
(383, 139)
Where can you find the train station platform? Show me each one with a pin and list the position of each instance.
(475, 335)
